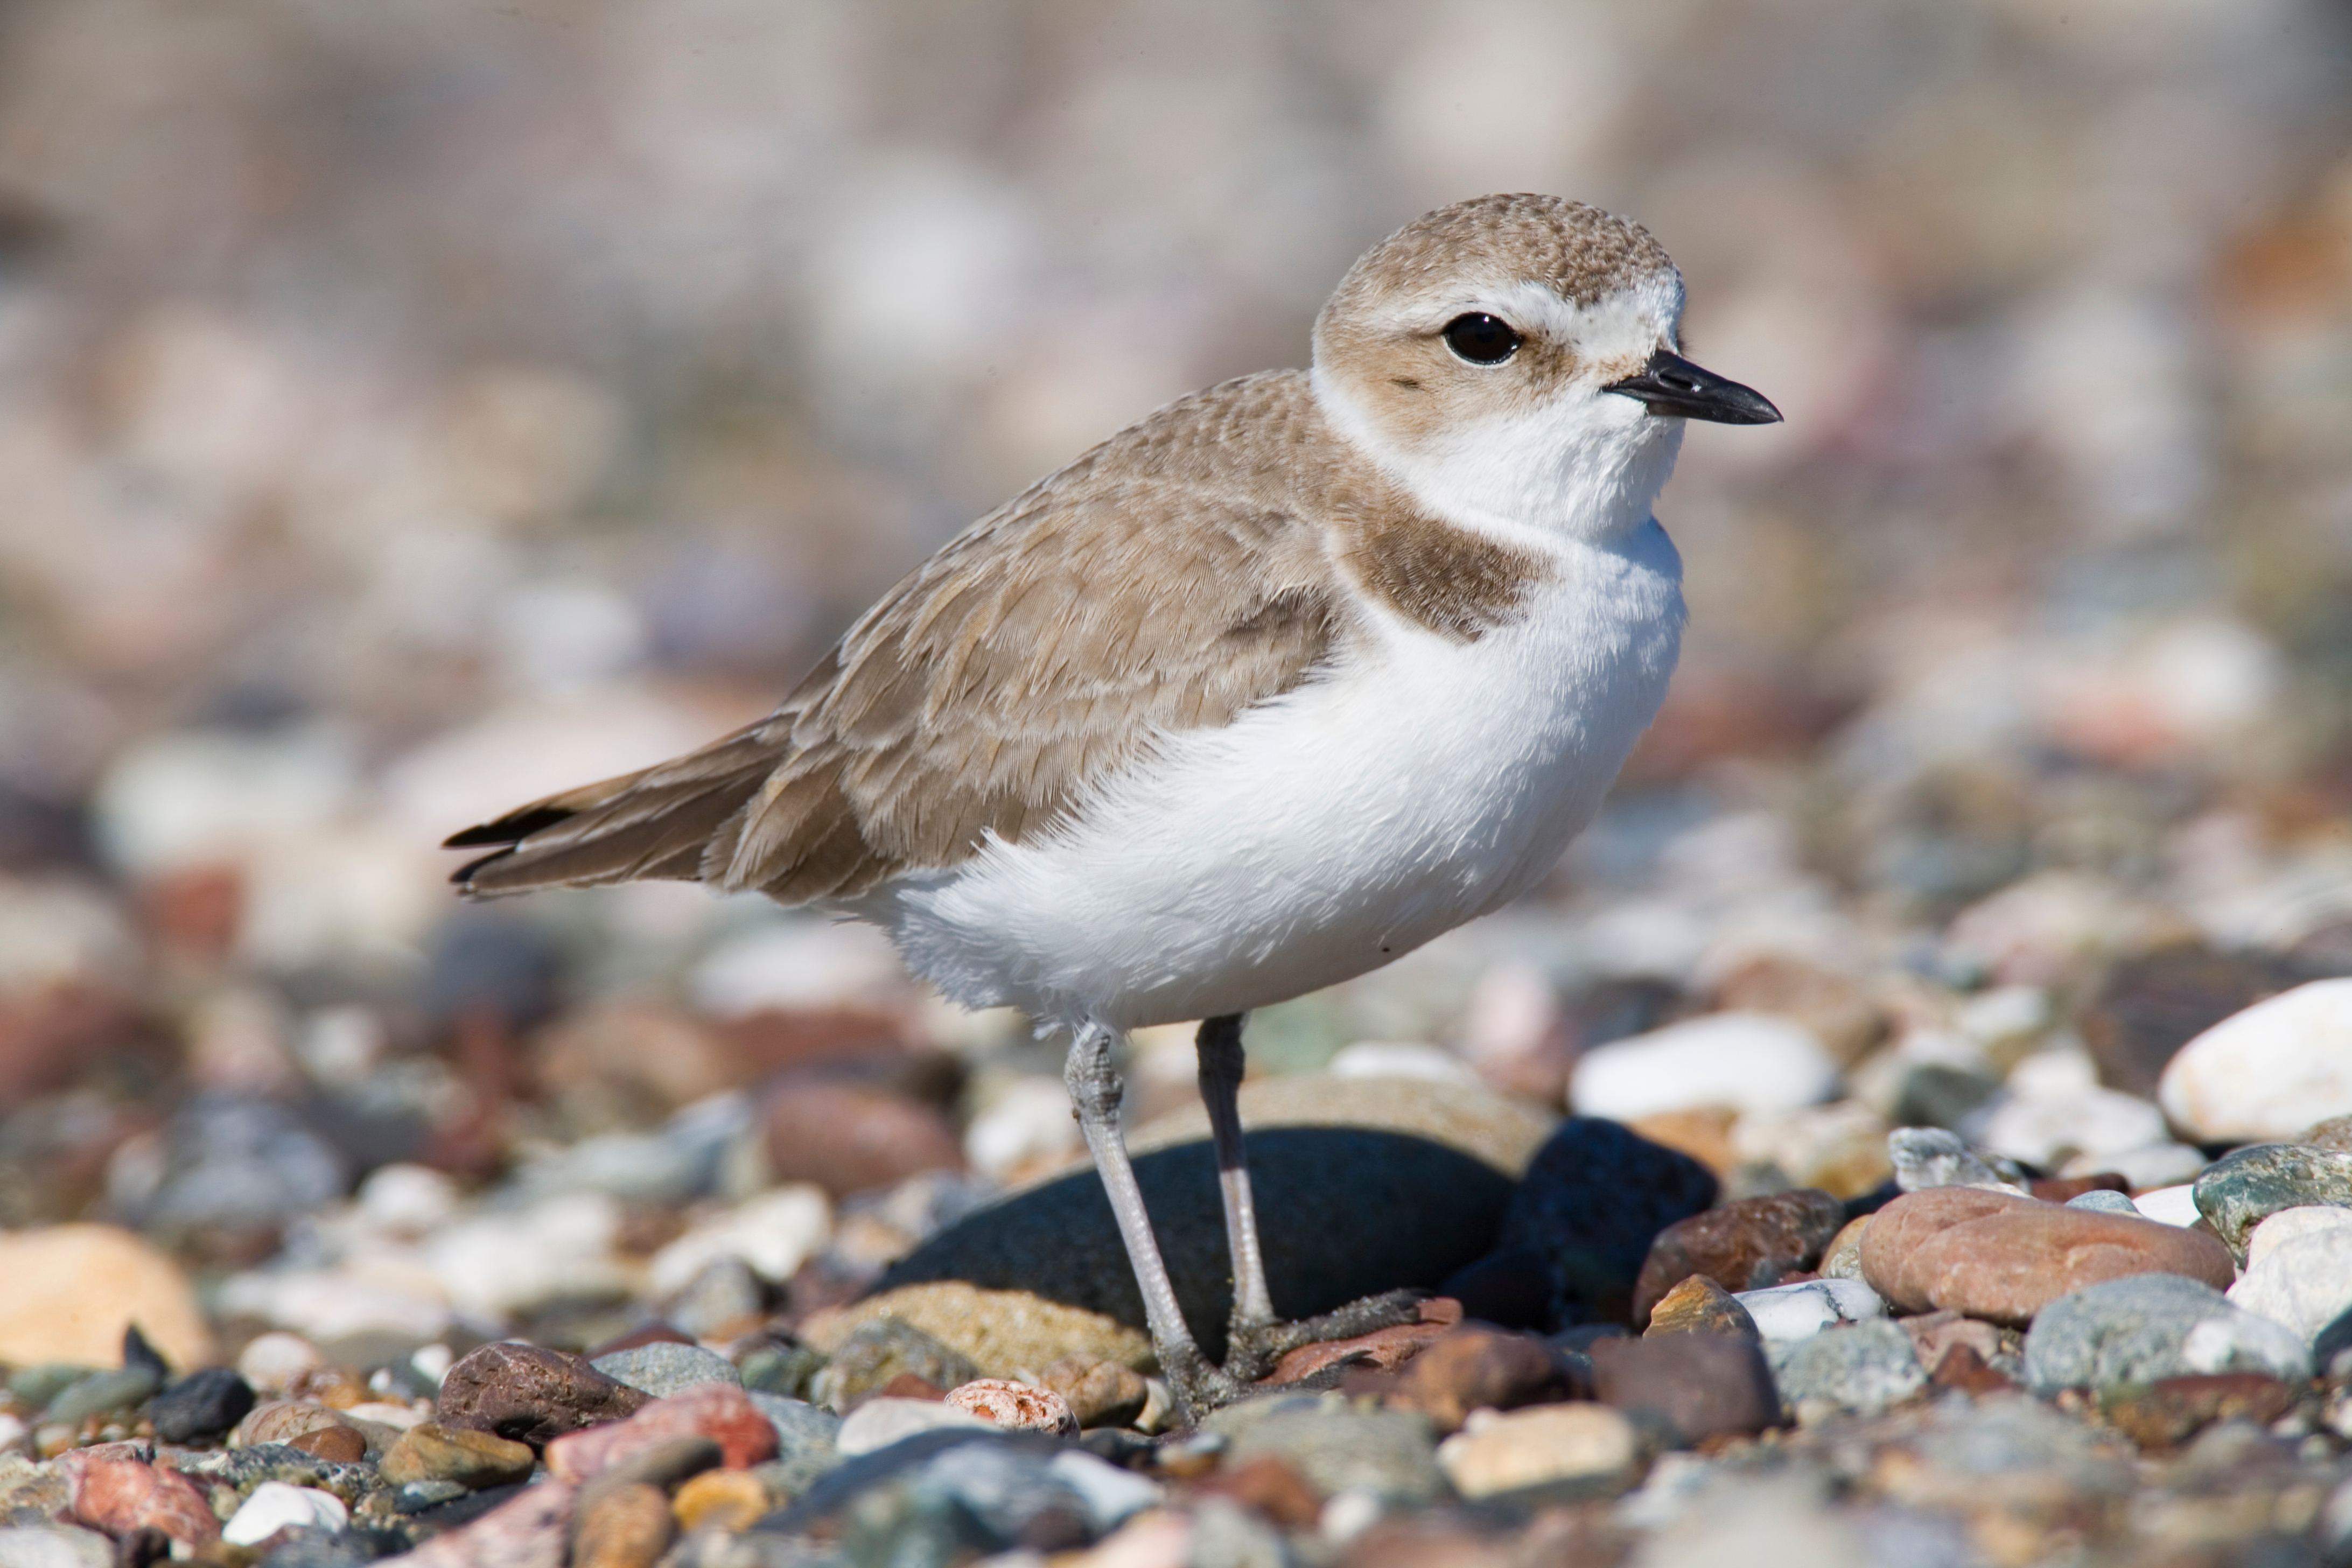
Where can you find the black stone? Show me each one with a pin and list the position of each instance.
(2152, 1006)
(202, 1405)
(138, 1353)
(1595, 1196)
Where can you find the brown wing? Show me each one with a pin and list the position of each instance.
(1048, 644)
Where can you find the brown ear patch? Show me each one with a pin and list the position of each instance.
(1448, 579)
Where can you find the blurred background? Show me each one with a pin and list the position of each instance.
(409, 408)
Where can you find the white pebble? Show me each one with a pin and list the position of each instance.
(2267, 1072)
(1749, 1061)
(270, 1362)
(273, 1505)
(773, 1233)
(1799, 1312)
(2291, 1225)
(879, 1423)
(2304, 1282)
(2173, 1205)
(2157, 1165)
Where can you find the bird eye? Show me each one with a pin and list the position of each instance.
(1482, 339)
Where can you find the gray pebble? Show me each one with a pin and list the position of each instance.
(2151, 1326)
(664, 1369)
(1930, 1157)
(101, 1392)
(1866, 1367)
(2105, 1202)
(1392, 1455)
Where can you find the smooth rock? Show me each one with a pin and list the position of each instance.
(1474, 1368)
(1595, 1196)
(723, 1296)
(2099, 1200)
(878, 1353)
(54, 1546)
(664, 1369)
(2304, 1282)
(284, 1420)
(1749, 1061)
(2266, 1072)
(1388, 1454)
(1991, 1254)
(274, 1506)
(2149, 1327)
(1841, 1258)
(1929, 1157)
(1743, 1245)
(2168, 1412)
(2246, 1186)
(1098, 1393)
(2332, 1132)
(2293, 1225)
(1866, 1367)
(531, 1529)
(2157, 1166)
(1001, 1334)
(119, 1496)
(2170, 1205)
(1700, 1305)
(530, 1394)
(1801, 1310)
(103, 1392)
(730, 1500)
(1935, 1335)
(2150, 1005)
(882, 1421)
(718, 1411)
(2048, 1130)
(271, 1361)
(1343, 1213)
(1701, 1384)
(341, 1445)
(849, 1137)
(802, 1429)
(74, 1289)
(1014, 1406)
(1561, 1450)
(627, 1527)
(472, 1458)
(203, 1404)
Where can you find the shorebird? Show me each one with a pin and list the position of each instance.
(1283, 681)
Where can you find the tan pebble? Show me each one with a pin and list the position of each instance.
(1545, 1445)
(336, 1387)
(1700, 1305)
(73, 1288)
(434, 1453)
(337, 1445)
(1015, 1406)
(721, 1499)
(629, 1527)
(282, 1420)
(1842, 1259)
(1099, 1393)
(271, 1361)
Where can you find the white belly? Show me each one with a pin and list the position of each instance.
(1324, 833)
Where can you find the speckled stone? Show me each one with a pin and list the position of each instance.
(2149, 1327)
(1002, 1334)
(880, 1350)
(530, 1394)
(2246, 1186)
(432, 1452)
(1389, 1454)
(1700, 1305)
(1015, 1406)
(1744, 1245)
(1864, 1367)
(662, 1369)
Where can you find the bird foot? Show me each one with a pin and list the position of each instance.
(1252, 1350)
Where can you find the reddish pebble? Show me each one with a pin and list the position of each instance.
(718, 1411)
(532, 1531)
(1744, 1245)
(120, 1496)
(337, 1445)
(1015, 1406)
(1476, 1368)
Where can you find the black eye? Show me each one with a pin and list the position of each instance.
(1482, 339)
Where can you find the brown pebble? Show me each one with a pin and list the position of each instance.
(1700, 1305)
(283, 1421)
(337, 1445)
(2001, 1257)
(1745, 1246)
(628, 1527)
(732, 1501)
(847, 1137)
(1271, 1485)
(1474, 1368)
(1933, 1335)
(2060, 1189)
(1963, 1368)
(1099, 1393)
(530, 1394)
(2168, 1412)
(1385, 1349)
(336, 1387)
(432, 1452)
(1701, 1384)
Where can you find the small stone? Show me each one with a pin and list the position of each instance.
(723, 1292)
(54, 1546)
(2335, 1132)
(1929, 1157)
(103, 1392)
(274, 1506)
(1965, 1368)
(1991, 1254)
(1388, 1454)
(1015, 1406)
(1099, 1393)
(283, 1420)
(1749, 1061)
(2293, 1225)
(473, 1459)
(1701, 1384)
(719, 1411)
(530, 1530)
(628, 1527)
(2266, 1072)
(1935, 1335)
(849, 1137)
(788, 1369)
(2167, 1413)
(1866, 1367)
(999, 1333)
(203, 1404)
(1558, 1451)
(2246, 1186)
(271, 1361)
(881, 1421)
(2304, 1281)
(337, 1445)
(1476, 1368)
(2149, 1007)
(1594, 1198)
(662, 1369)
(2157, 1165)
(2149, 1327)
(2170, 1206)
(1744, 1245)
(1271, 1486)
(529, 1395)
(122, 1495)
(1700, 1305)
(2100, 1200)
(73, 1289)
(721, 1499)
(1382, 1349)
(1801, 1310)
(1841, 1258)
(879, 1350)
(802, 1429)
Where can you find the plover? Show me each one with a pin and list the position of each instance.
(1277, 684)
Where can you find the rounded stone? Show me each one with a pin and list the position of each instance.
(2304, 1282)
(1582, 1448)
(2246, 1186)
(1801, 1310)
(1748, 1061)
(1014, 1406)
(880, 1422)
(2266, 1072)
(203, 1404)
(627, 1526)
(284, 1420)
(1700, 1305)
(1388, 1455)
(1865, 1367)
(274, 1506)
(2150, 1327)
(74, 1289)
(1003, 1333)
(732, 1501)
(471, 1458)
(530, 1394)
(1993, 1255)
(1099, 1393)
(663, 1369)
(1744, 1245)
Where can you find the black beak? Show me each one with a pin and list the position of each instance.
(1672, 385)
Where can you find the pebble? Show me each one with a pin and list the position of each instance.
(663, 1369)
(284, 1420)
(2304, 1281)
(471, 1458)
(1743, 1245)
(1929, 1157)
(850, 1137)
(1935, 1335)
(104, 1391)
(2099, 1200)
(2331, 1133)
(1841, 1258)
(1801, 1310)
(1866, 1367)
(721, 1499)
(73, 1289)
(1748, 1061)
(1014, 1406)
(773, 1234)
(2170, 1205)
(802, 1429)
(2046, 1129)
(881, 1350)
(2166, 1413)
(1594, 1196)
(205, 1404)
(2149, 1327)
(122, 1495)
(2152, 1004)
(2266, 1072)
(531, 1529)
(1700, 1305)
(718, 1411)
(999, 1333)
(274, 1506)
(530, 1394)
(627, 1526)
(2157, 1166)
(1388, 1454)
(271, 1361)
(2246, 1186)
(882, 1421)
(1992, 1255)
(2293, 1225)
(1502, 1132)
(1557, 1451)
(1099, 1393)
(1700, 1384)
(1473, 1368)
(341, 1445)
(54, 1546)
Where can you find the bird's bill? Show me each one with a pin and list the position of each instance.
(1670, 385)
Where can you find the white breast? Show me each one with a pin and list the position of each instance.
(1324, 833)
